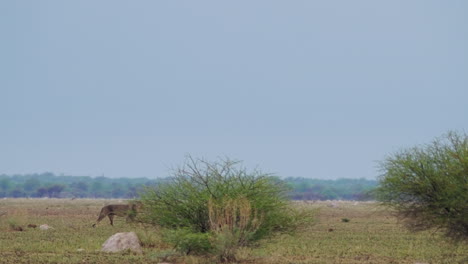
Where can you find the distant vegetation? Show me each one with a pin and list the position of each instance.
(341, 189)
(51, 185)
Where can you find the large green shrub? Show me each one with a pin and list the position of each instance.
(193, 198)
(428, 185)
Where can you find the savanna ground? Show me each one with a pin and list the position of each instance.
(372, 235)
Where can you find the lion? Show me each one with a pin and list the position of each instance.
(123, 210)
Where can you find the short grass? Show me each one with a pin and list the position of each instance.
(372, 235)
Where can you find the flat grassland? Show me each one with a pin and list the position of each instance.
(342, 232)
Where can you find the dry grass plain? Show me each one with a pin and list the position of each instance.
(372, 235)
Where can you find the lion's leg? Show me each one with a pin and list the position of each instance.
(111, 218)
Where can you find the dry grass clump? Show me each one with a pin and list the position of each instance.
(233, 223)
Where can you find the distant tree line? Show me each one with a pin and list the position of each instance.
(55, 186)
(340, 189)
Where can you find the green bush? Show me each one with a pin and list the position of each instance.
(187, 241)
(428, 185)
(185, 202)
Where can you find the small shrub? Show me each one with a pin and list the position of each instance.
(187, 241)
(345, 220)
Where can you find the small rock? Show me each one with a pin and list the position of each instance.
(80, 250)
(45, 227)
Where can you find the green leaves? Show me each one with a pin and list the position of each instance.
(428, 185)
(183, 202)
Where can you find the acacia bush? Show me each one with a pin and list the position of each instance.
(222, 199)
(428, 185)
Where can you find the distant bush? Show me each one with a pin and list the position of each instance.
(223, 199)
(428, 185)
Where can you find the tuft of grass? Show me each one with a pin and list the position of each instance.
(14, 226)
(233, 224)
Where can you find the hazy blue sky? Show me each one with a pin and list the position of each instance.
(319, 89)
